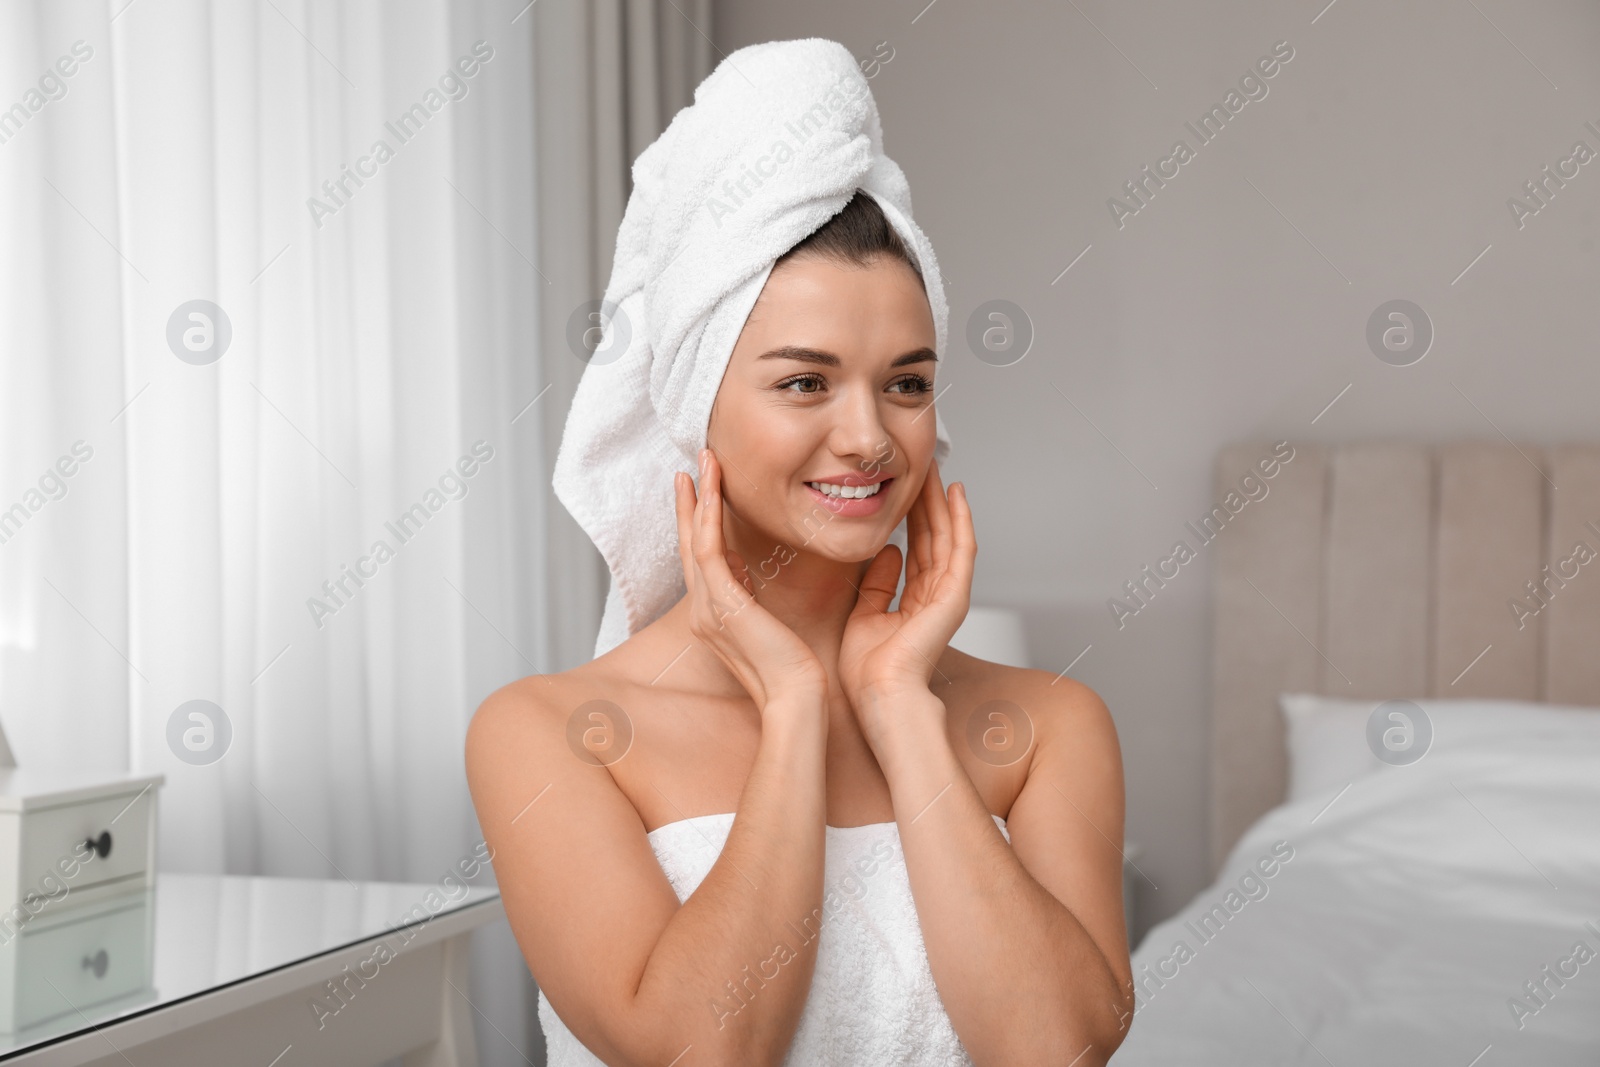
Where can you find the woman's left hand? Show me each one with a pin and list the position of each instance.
(892, 652)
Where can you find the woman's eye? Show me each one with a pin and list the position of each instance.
(802, 380)
(911, 385)
(918, 384)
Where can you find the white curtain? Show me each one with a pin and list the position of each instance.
(185, 520)
(383, 343)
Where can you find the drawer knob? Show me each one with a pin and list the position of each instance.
(97, 963)
(100, 846)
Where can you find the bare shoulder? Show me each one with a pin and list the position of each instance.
(520, 734)
(521, 711)
(583, 892)
(1063, 712)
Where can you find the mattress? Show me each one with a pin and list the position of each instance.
(1446, 911)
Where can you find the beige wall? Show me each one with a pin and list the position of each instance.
(1235, 304)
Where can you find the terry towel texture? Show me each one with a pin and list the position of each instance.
(777, 141)
(872, 1001)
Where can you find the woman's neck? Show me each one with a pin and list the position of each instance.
(811, 595)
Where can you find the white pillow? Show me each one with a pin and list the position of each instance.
(1328, 742)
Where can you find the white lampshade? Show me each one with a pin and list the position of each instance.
(994, 634)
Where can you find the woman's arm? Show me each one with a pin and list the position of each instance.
(1026, 942)
(638, 978)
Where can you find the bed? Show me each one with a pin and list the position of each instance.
(1405, 768)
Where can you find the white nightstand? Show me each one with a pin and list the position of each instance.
(63, 834)
(77, 853)
(298, 972)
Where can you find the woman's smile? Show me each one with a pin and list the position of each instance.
(840, 496)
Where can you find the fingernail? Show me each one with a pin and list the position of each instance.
(702, 461)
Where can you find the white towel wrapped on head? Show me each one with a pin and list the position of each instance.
(779, 138)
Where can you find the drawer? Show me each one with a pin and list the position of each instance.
(53, 834)
(90, 960)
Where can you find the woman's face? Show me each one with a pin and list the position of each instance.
(832, 380)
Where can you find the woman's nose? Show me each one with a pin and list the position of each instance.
(860, 430)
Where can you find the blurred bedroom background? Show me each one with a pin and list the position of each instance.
(238, 343)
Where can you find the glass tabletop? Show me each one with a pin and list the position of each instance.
(74, 965)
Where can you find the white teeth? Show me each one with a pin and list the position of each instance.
(848, 492)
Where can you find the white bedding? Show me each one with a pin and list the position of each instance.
(1404, 926)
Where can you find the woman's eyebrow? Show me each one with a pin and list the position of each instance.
(828, 359)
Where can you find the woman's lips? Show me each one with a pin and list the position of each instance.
(853, 507)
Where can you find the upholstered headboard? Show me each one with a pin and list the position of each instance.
(1389, 570)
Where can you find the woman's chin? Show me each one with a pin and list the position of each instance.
(848, 546)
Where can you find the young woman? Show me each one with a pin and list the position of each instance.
(780, 762)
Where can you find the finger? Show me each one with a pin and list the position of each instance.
(878, 585)
(917, 536)
(964, 541)
(708, 543)
(710, 548)
(916, 554)
(921, 571)
(938, 509)
(683, 500)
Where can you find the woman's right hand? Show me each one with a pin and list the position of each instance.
(763, 653)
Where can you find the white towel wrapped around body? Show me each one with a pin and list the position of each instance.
(777, 141)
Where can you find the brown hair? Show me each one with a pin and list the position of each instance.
(859, 233)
